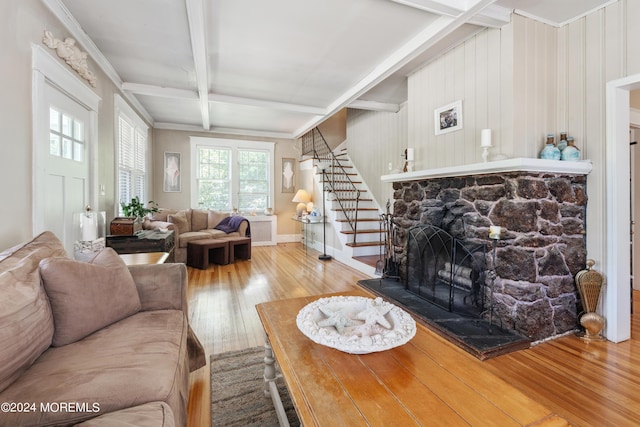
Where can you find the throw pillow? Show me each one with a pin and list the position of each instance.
(162, 214)
(216, 217)
(87, 296)
(199, 219)
(179, 220)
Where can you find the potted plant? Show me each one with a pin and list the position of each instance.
(133, 214)
(136, 209)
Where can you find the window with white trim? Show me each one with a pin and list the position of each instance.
(132, 154)
(232, 174)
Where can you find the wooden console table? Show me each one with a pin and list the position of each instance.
(427, 381)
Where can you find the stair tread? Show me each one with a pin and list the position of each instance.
(363, 244)
(369, 231)
(353, 209)
(359, 219)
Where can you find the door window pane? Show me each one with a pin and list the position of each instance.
(78, 151)
(67, 125)
(67, 148)
(54, 145)
(78, 130)
(54, 120)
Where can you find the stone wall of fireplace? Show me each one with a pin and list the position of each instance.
(542, 245)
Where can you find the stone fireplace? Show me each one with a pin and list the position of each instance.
(540, 205)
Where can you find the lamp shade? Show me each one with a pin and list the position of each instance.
(301, 198)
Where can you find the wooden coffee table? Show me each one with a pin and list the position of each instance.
(427, 381)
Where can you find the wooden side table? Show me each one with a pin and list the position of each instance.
(239, 247)
(201, 252)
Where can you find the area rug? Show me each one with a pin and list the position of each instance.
(237, 391)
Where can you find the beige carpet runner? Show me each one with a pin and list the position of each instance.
(237, 385)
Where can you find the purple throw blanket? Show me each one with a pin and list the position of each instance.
(232, 223)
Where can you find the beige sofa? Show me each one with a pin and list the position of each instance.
(191, 224)
(92, 343)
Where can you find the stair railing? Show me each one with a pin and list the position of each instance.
(335, 178)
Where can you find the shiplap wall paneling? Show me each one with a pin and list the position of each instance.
(478, 111)
(576, 93)
(535, 84)
(591, 52)
(504, 141)
(454, 142)
(375, 139)
(589, 37)
(493, 99)
(631, 12)
(470, 73)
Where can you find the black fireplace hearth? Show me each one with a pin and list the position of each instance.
(473, 334)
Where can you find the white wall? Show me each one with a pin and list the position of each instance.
(375, 139)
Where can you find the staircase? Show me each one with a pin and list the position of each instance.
(364, 237)
(349, 208)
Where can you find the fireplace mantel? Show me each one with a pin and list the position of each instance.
(520, 164)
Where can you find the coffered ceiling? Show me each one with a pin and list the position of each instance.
(278, 68)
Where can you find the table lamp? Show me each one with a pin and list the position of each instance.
(301, 198)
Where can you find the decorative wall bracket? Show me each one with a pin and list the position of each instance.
(71, 54)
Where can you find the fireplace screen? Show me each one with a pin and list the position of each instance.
(445, 271)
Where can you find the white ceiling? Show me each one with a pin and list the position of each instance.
(278, 68)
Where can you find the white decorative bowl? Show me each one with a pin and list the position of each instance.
(356, 325)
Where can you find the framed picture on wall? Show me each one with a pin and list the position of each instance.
(448, 118)
(172, 177)
(288, 175)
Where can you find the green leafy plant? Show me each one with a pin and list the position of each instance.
(137, 209)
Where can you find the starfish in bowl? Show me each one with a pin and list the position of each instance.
(375, 312)
(337, 319)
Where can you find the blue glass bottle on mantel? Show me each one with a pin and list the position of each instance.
(562, 144)
(550, 151)
(571, 152)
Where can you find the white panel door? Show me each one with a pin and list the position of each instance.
(62, 152)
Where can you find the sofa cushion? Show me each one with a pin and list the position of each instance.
(153, 414)
(137, 360)
(215, 217)
(199, 219)
(86, 297)
(179, 220)
(26, 324)
(217, 234)
(190, 236)
(162, 214)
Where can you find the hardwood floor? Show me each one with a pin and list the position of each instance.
(589, 384)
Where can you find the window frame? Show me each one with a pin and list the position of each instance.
(123, 111)
(235, 146)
